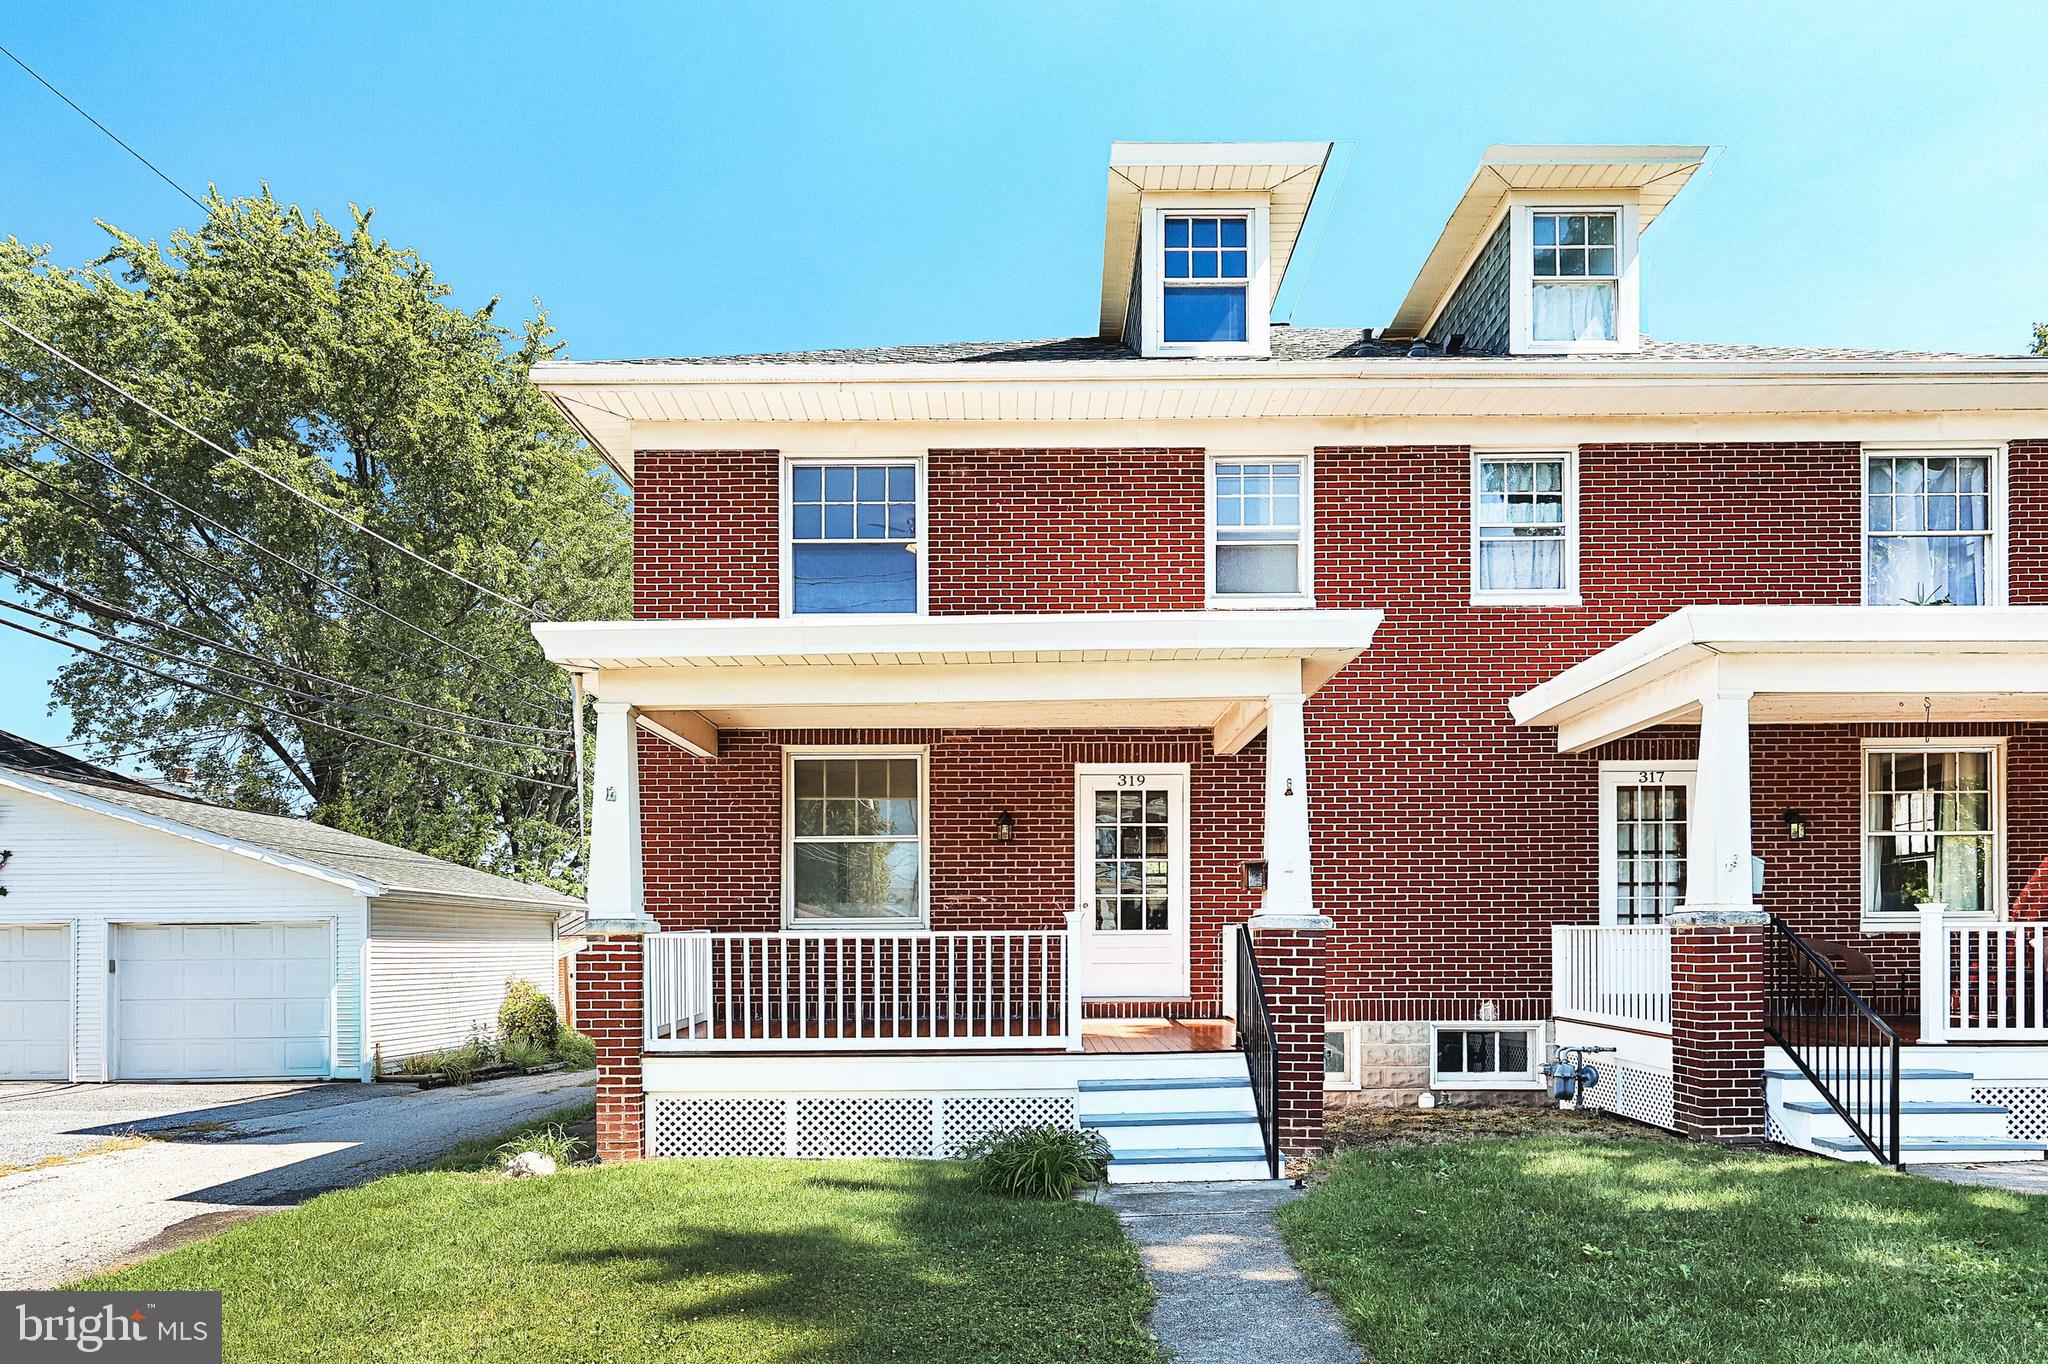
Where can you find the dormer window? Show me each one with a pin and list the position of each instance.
(1207, 270)
(1206, 284)
(1575, 282)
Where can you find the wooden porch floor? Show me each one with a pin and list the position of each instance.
(1157, 1034)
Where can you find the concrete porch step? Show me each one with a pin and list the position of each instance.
(1907, 1107)
(1187, 1164)
(1905, 1073)
(1165, 1119)
(1938, 1150)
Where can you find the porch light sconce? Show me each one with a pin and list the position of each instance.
(1255, 876)
(1795, 824)
(1006, 827)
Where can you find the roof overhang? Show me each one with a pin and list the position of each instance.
(1654, 175)
(689, 680)
(1288, 173)
(1803, 664)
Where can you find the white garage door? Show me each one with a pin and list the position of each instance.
(221, 1001)
(35, 1002)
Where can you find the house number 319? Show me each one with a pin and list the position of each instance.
(1131, 779)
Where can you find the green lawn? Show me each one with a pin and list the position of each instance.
(672, 1260)
(1587, 1249)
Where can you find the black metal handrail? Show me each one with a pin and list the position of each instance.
(1255, 1040)
(1837, 1040)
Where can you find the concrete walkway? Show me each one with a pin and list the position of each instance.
(2020, 1176)
(1228, 1291)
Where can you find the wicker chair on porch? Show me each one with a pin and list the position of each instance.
(1850, 964)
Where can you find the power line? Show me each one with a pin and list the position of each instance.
(111, 135)
(231, 674)
(269, 477)
(273, 710)
(92, 605)
(287, 561)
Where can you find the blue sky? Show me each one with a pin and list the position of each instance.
(679, 179)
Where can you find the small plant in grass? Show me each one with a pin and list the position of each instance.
(574, 1050)
(459, 1064)
(525, 1055)
(552, 1141)
(527, 1015)
(1039, 1162)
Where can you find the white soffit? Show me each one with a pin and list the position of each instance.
(1654, 174)
(1287, 172)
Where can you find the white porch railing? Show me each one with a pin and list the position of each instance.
(1981, 980)
(864, 990)
(1615, 974)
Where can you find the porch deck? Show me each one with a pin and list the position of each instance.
(1098, 1036)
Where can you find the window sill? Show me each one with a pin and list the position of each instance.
(1503, 1082)
(1564, 348)
(1340, 1086)
(834, 926)
(1910, 923)
(1527, 599)
(1248, 602)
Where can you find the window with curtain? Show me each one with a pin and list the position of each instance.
(1927, 527)
(1260, 516)
(1930, 829)
(1520, 524)
(1206, 274)
(852, 538)
(1575, 278)
(856, 837)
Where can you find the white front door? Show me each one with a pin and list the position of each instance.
(1131, 869)
(1644, 812)
(222, 1001)
(35, 1002)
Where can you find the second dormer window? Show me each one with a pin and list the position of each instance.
(1574, 277)
(1205, 276)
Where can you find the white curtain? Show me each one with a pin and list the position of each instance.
(1521, 564)
(1572, 312)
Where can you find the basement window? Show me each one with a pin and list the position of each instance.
(1483, 1056)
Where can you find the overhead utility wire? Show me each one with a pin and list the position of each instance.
(287, 561)
(267, 476)
(76, 108)
(273, 710)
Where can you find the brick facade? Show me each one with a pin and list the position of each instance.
(1291, 969)
(1717, 1040)
(608, 1012)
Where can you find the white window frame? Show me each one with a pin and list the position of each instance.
(790, 754)
(1873, 921)
(1567, 595)
(1522, 265)
(1615, 775)
(1348, 1077)
(1531, 1079)
(1995, 582)
(1258, 295)
(1248, 601)
(785, 535)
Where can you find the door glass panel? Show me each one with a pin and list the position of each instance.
(1649, 852)
(1133, 860)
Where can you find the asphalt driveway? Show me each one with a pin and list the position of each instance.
(105, 1174)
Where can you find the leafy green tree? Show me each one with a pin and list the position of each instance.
(2041, 338)
(335, 362)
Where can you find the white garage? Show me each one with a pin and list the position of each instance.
(35, 1001)
(148, 937)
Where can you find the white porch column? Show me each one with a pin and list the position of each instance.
(1935, 970)
(1289, 893)
(615, 894)
(1717, 866)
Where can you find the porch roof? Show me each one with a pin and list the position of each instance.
(1803, 664)
(1185, 669)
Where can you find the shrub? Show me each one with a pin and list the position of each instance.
(551, 1141)
(525, 1055)
(527, 1015)
(575, 1050)
(459, 1064)
(1039, 1162)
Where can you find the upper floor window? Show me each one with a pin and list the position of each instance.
(1575, 277)
(1260, 526)
(1206, 274)
(852, 538)
(1927, 520)
(1524, 536)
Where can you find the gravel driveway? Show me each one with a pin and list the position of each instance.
(212, 1154)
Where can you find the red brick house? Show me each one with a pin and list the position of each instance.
(1176, 728)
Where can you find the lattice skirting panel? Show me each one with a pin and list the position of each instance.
(836, 1125)
(2026, 1117)
(1632, 1091)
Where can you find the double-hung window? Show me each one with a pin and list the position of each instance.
(1524, 540)
(853, 538)
(1927, 519)
(1930, 830)
(1206, 273)
(856, 837)
(1574, 277)
(1260, 527)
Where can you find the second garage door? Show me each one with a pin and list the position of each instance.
(35, 1002)
(221, 1001)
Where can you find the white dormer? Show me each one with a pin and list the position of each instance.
(1197, 240)
(1539, 257)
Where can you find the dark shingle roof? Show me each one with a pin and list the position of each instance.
(1289, 343)
(395, 869)
(26, 755)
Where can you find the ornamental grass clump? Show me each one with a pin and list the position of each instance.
(1039, 1162)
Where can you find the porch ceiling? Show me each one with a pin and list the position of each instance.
(1803, 664)
(1180, 669)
